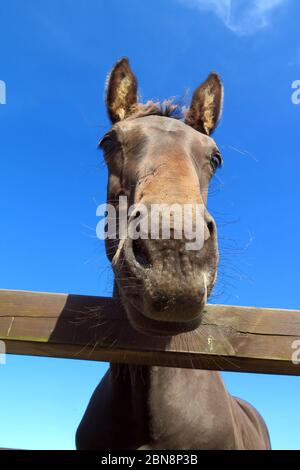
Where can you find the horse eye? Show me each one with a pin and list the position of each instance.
(107, 144)
(216, 160)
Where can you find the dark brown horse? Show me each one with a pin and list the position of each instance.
(154, 158)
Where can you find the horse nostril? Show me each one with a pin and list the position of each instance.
(211, 227)
(140, 253)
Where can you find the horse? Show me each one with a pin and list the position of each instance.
(157, 155)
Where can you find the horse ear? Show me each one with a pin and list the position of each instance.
(206, 106)
(121, 91)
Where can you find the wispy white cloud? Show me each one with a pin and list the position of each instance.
(243, 17)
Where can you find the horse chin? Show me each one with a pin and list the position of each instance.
(150, 327)
(161, 312)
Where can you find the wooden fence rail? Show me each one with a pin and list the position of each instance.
(240, 339)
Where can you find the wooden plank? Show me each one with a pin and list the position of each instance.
(240, 339)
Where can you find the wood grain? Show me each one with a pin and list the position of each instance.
(240, 339)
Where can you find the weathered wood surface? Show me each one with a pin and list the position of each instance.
(240, 339)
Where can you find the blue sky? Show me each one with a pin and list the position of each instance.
(55, 55)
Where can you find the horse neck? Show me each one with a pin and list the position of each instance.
(153, 393)
(143, 378)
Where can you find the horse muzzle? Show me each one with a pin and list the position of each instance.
(168, 285)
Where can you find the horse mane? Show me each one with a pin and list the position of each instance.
(167, 108)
